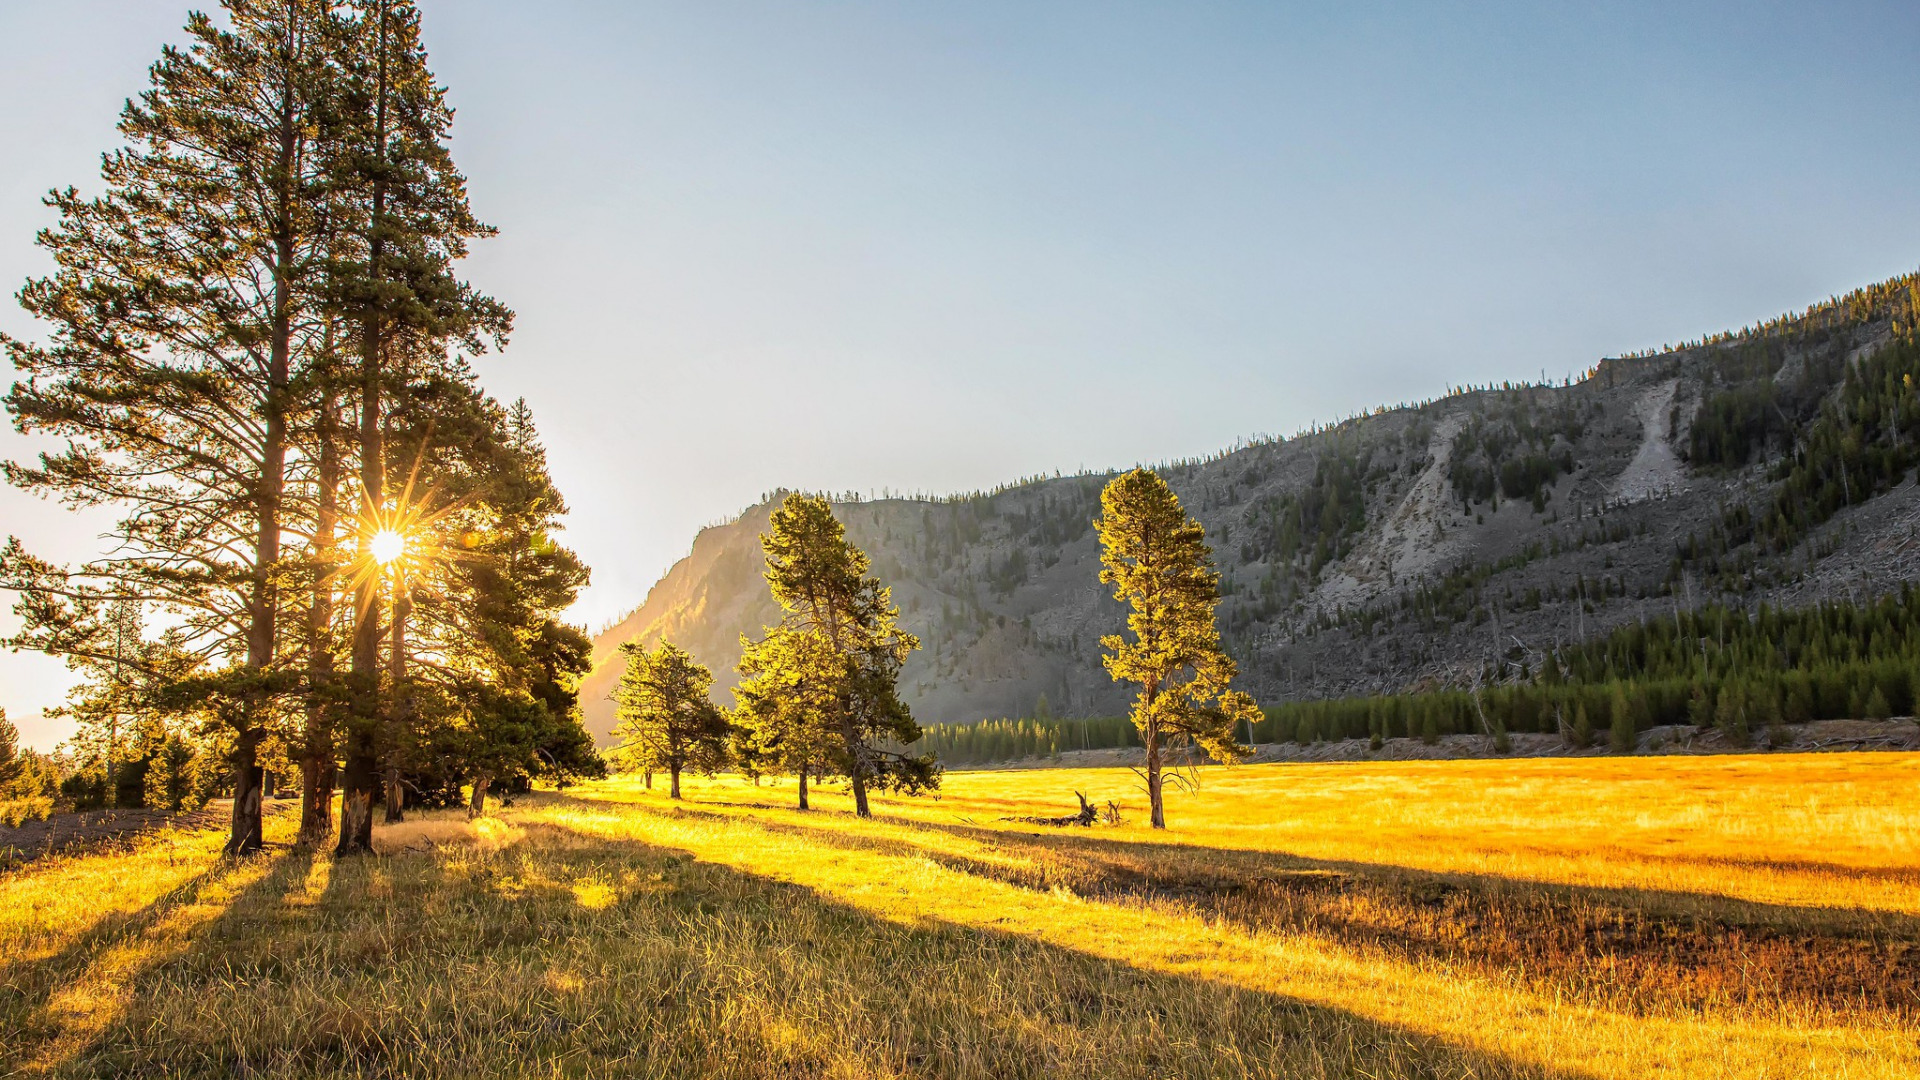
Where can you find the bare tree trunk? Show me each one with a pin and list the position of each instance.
(356, 814)
(803, 788)
(676, 781)
(263, 602)
(857, 768)
(477, 804)
(646, 777)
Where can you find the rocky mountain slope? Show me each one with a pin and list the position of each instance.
(1425, 544)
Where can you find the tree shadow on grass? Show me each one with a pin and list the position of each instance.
(569, 953)
(1611, 947)
(27, 986)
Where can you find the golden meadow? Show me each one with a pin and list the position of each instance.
(1750, 916)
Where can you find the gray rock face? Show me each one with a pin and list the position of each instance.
(1413, 546)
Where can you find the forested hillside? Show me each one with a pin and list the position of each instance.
(1452, 543)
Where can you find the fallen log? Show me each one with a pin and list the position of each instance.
(1084, 818)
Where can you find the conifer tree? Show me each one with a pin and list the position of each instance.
(1157, 561)
(1730, 713)
(10, 767)
(183, 310)
(820, 691)
(785, 704)
(1620, 734)
(1877, 707)
(404, 205)
(666, 718)
(482, 674)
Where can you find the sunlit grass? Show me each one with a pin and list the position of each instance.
(1613, 918)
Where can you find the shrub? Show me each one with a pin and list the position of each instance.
(86, 789)
(17, 812)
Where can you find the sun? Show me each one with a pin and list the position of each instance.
(386, 545)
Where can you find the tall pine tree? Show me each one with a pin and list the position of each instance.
(183, 311)
(821, 689)
(404, 206)
(1157, 560)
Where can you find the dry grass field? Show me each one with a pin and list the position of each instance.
(1622, 917)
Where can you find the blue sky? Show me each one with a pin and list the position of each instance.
(933, 246)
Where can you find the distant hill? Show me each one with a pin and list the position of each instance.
(1411, 546)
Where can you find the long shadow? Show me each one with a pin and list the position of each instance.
(30, 986)
(1616, 947)
(694, 968)
(26, 986)
(1900, 875)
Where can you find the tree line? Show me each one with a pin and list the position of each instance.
(334, 554)
(1741, 671)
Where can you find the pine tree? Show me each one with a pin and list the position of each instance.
(786, 701)
(177, 779)
(1700, 708)
(820, 691)
(1157, 561)
(184, 309)
(1877, 707)
(1620, 734)
(479, 592)
(394, 188)
(1582, 727)
(667, 721)
(10, 767)
(1730, 714)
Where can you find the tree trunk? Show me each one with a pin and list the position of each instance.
(316, 799)
(362, 772)
(399, 709)
(676, 782)
(356, 811)
(262, 602)
(396, 797)
(477, 804)
(857, 769)
(1155, 787)
(803, 788)
(244, 838)
(646, 777)
(317, 771)
(860, 794)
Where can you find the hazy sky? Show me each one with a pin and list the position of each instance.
(933, 246)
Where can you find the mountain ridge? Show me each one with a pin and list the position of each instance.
(1413, 545)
